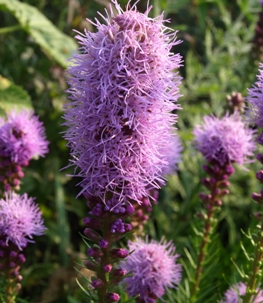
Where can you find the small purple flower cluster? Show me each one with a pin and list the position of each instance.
(154, 269)
(20, 219)
(235, 293)
(22, 137)
(225, 140)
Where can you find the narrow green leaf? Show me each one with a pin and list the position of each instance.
(63, 225)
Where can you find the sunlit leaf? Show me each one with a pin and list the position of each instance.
(12, 96)
(55, 43)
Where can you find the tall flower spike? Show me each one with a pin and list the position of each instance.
(235, 293)
(255, 115)
(225, 140)
(255, 99)
(154, 269)
(222, 142)
(123, 89)
(20, 219)
(22, 137)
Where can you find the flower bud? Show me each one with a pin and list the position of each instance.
(107, 267)
(90, 265)
(229, 169)
(119, 272)
(112, 297)
(259, 176)
(20, 174)
(218, 203)
(91, 222)
(259, 157)
(94, 252)
(208, 169)
(119, 253)
(224, 184)
(129, 209)
(97, 283)
(103, 243)
(92, 235)
(257, 197)
(21, 258)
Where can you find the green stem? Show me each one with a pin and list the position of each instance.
(8, 29)
(217, 186)
(255, 269)
(156, 8)
(202, 253)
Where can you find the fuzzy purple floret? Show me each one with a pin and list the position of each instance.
(234, 294)
(255, 99)
(123, 89)
(154, 269)
(20, 219)
(225, 140)
(22, 137)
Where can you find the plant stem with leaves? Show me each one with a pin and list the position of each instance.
(217, 184)
(255, 274)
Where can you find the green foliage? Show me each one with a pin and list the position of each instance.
(55, 43)
(12, 96)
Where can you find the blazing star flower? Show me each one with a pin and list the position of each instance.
(255, 98)
(153, 267)
(123, 88)
(225, 140)
(20, 219)
(22, 137)
(232, 295)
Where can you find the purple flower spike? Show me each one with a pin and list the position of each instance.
(232, 295)
(225, 140)
(255, 98)
(20, 219)
(22, 137)
(153, 267)
(123, 90)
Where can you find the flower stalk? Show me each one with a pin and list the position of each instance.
(105, 226)
(222, 142)
(217, 184)
(255, 274)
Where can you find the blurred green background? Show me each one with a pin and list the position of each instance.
(220, 54)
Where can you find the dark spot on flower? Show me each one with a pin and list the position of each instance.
(17, 133)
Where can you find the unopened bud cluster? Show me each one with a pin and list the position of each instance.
(142, 212)
(236, 102)
(10, 261)
(106, 224)
(217, 183)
